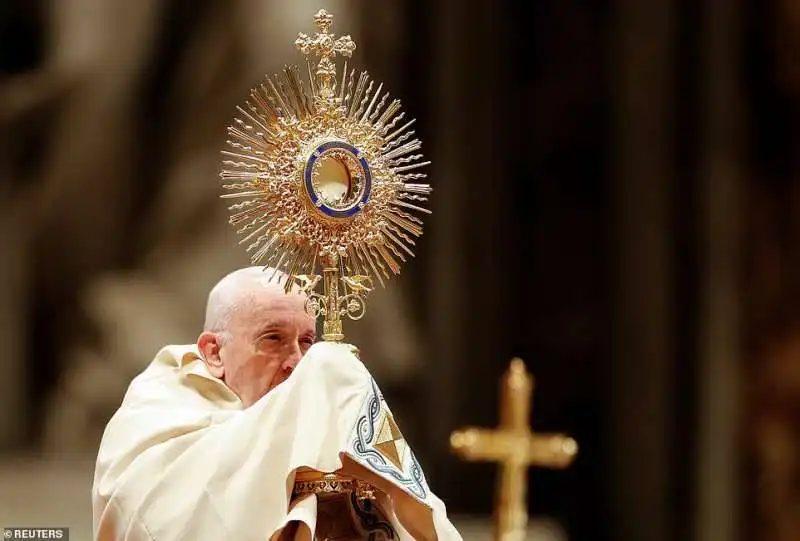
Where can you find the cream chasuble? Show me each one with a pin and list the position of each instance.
(181, 460)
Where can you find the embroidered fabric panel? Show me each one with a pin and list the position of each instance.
(378, 445)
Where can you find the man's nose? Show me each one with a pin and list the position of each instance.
(292, 358)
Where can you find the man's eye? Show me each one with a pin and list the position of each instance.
(309, 341)
(272, 337)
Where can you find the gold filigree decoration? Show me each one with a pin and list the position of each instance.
(326, 174)
(313, 482)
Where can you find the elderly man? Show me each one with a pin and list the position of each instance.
(210, 438)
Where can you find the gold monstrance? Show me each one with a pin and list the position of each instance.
(325, 173)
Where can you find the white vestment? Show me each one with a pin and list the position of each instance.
(182, 460)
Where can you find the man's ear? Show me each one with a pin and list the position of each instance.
(209, 345)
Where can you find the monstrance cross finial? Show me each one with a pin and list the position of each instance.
(516, 448)
(326, 46)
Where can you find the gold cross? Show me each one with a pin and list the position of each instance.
(324, 45)
(516, 448)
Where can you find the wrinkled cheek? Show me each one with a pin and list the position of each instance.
(257, 369)
(262, 372)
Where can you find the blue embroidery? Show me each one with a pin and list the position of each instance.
(365, 433)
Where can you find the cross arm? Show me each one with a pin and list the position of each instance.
(344, 46)
(482, 445)
(485, 445)
(305, 43)
(551, 450)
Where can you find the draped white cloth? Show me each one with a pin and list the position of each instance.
(183, 460)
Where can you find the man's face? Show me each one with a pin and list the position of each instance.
(266, 339)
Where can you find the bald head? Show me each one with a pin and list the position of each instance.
(239, 291)
(255, 333)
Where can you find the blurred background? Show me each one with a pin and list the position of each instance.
(616, 185)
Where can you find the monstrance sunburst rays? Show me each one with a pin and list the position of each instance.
(326, 174)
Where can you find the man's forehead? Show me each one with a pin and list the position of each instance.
(274, 302)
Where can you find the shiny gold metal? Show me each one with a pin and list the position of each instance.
(516, 448)
(308, 481)
(331, 304)
(326, 47)
(324, 178)
(343, 504)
